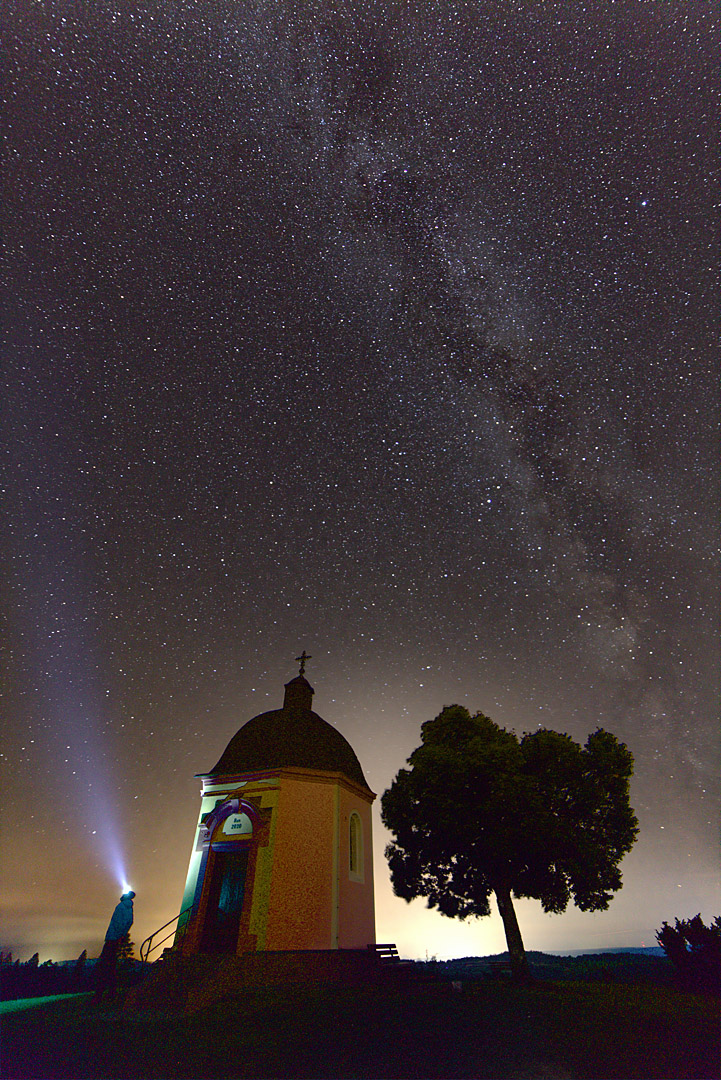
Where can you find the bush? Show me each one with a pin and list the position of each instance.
(695, 950)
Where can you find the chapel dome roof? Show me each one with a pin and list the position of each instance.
(293, 736)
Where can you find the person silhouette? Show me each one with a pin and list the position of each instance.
(106, 972)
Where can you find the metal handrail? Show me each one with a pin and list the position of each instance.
(159, 931)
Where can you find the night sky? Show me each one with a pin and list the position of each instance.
(380, 330)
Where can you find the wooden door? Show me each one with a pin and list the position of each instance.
(225, 901)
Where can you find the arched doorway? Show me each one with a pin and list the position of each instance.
(226, 893)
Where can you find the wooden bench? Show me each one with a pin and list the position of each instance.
(387, 954)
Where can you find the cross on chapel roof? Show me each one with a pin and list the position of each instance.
(302, 659)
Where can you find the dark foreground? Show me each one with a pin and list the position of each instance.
(494, 1029)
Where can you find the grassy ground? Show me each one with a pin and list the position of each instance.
(552, 1030)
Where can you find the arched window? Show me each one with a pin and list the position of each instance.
(355, 848)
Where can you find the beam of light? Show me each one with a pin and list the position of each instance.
(64, 665)
(81, 724)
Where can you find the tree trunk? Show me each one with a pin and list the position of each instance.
(516, 951)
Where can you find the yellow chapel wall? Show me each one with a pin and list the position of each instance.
(207, 803)
(302, 886)
(356, 901)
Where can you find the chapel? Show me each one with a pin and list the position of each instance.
(282, 855)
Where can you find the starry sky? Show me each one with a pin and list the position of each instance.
(379, 329)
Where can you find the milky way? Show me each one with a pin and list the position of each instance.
(380, 330)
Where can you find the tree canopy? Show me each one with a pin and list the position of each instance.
(480, 811)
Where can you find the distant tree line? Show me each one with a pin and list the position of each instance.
(33, 979)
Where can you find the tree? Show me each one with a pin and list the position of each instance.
(126, 948)
(481, 812)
